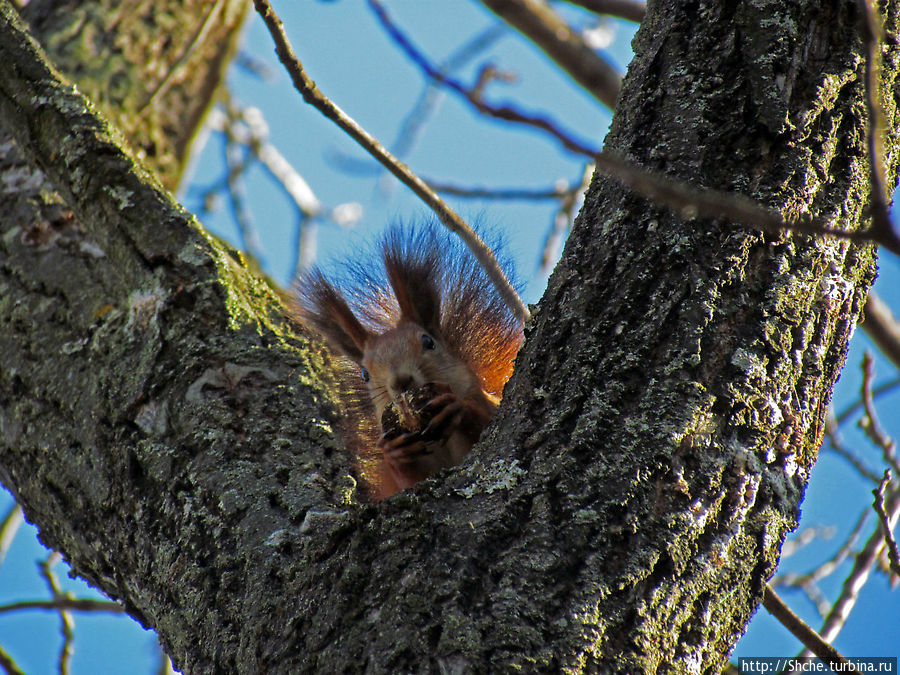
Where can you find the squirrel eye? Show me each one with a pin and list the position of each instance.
(365, 375)
(427, 341)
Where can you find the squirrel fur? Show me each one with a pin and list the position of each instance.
(425, 346)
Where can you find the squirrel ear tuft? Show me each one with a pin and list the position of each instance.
(413, 271)
(417, 293)
(325, 308)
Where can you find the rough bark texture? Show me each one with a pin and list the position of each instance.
(684, 366)
(169, 433)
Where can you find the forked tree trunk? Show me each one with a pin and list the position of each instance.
(170, 433)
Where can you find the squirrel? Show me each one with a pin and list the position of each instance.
(425, 346)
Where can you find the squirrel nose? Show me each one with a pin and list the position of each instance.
(402, 383)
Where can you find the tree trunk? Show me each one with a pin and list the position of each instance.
(170, 432)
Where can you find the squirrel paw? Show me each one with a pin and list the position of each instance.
(403, 449)
(446, 413)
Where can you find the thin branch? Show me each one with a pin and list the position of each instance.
(247, 137)
(694, 202)
(247, 127)
(537, 21)
(237, 162)
(510, 194)
(804, 538)
(505, 113)
(9, 526)
(630, 10)
(836, 444)
(255, 66)
(812, 640)
(305, 244)
(869, 422)
(882, 327)
(8, 664)
(887, 530)
(878, 391)
(808, 582)
(413, 125)
(563, 220)
(67, 624)
(448, 217)
(65, 603)
(429, 100)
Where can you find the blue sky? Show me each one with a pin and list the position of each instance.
(354, 62)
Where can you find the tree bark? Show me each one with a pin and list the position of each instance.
(170, 432)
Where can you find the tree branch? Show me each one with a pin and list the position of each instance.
(882, 229)
(631, 10)
(886, 527)
(537, 21)
(883, 328)
(159, 413)
(473, 95)
(64, 604)
(804, 633)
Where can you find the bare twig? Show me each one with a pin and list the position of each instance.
(246, 126)
(804, 538)
(8, 664)
(505, 113)
(563, 220)
(693, 202)
(882, 327)
(255, 66)
(305, 244)
(247, 140)
(836, 444)
(880, 390)
(506, 194)
(65, 603)
(869, 422)
(413, 125)
(430, 99)
(447, 216)
(809, 582)
(630, 10)
(813, 641)
(9, 526)
(537, 21)
(67, 624)
(890, 542)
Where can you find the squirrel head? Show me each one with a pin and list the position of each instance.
(403, 358)
(426, 313)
